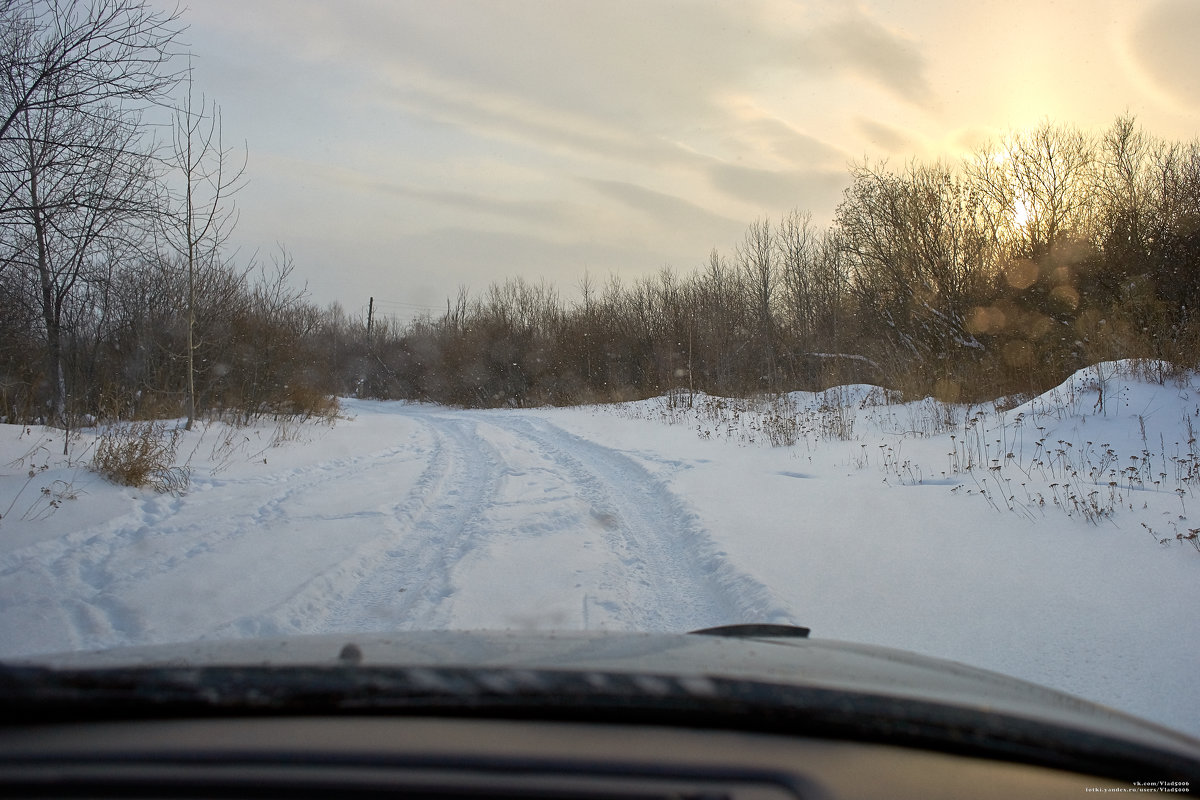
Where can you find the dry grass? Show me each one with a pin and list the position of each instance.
(141, 454)
(304, 402)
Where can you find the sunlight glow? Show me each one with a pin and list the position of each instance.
(1020, 212)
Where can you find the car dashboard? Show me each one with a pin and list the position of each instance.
(490, 758)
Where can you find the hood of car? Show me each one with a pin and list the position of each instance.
(761, 679)
(689, 661)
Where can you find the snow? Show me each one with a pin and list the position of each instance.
(1047, 541)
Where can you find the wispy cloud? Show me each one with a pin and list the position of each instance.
(771, 136)
(537, 212)
(884, 136)
(1164, 42)
(527, 132)
(864, 47)
(666, 209)
(518, 119)
(775, 191)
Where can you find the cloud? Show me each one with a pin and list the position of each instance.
(455, 133)
(621, 77)
(529, 211)
(888, 138)
(968, 141)
(633, 64)
(627, 76)
(665, 209)
(476, 258)
(1163, 42)
(777, 191)
(516, 118)
(863, 47)
(776, 137)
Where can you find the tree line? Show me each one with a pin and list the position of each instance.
(117, 295)
(998, 273)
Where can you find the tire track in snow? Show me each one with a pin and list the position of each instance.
(660, 569)
(99, 568)
(401, 580)
(666, 575)
(471, 485)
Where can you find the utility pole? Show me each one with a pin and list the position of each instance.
(370, 315)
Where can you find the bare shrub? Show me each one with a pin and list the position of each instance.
(141, 454)
(304, 402)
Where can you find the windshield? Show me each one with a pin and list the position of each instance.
(872, 318)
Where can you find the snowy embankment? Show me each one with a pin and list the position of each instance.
(1048, 541)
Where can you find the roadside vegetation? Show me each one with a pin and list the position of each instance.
(1114, 445)
(998, 275)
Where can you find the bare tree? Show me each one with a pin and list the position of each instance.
(77, 59)
(721, 315)
(831, 281)
(1036, 188)
(918, 253)
(1147, 208)
(202, 215)
(74, 169)
(81, 185)
(796, 241)
(756, 259)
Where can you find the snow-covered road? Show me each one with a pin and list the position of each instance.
(440, 519)
(510, 522)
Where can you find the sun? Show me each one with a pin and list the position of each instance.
(1021, 212)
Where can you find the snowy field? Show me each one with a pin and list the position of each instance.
(1049, 541)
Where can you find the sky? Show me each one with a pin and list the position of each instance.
(401, 149)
